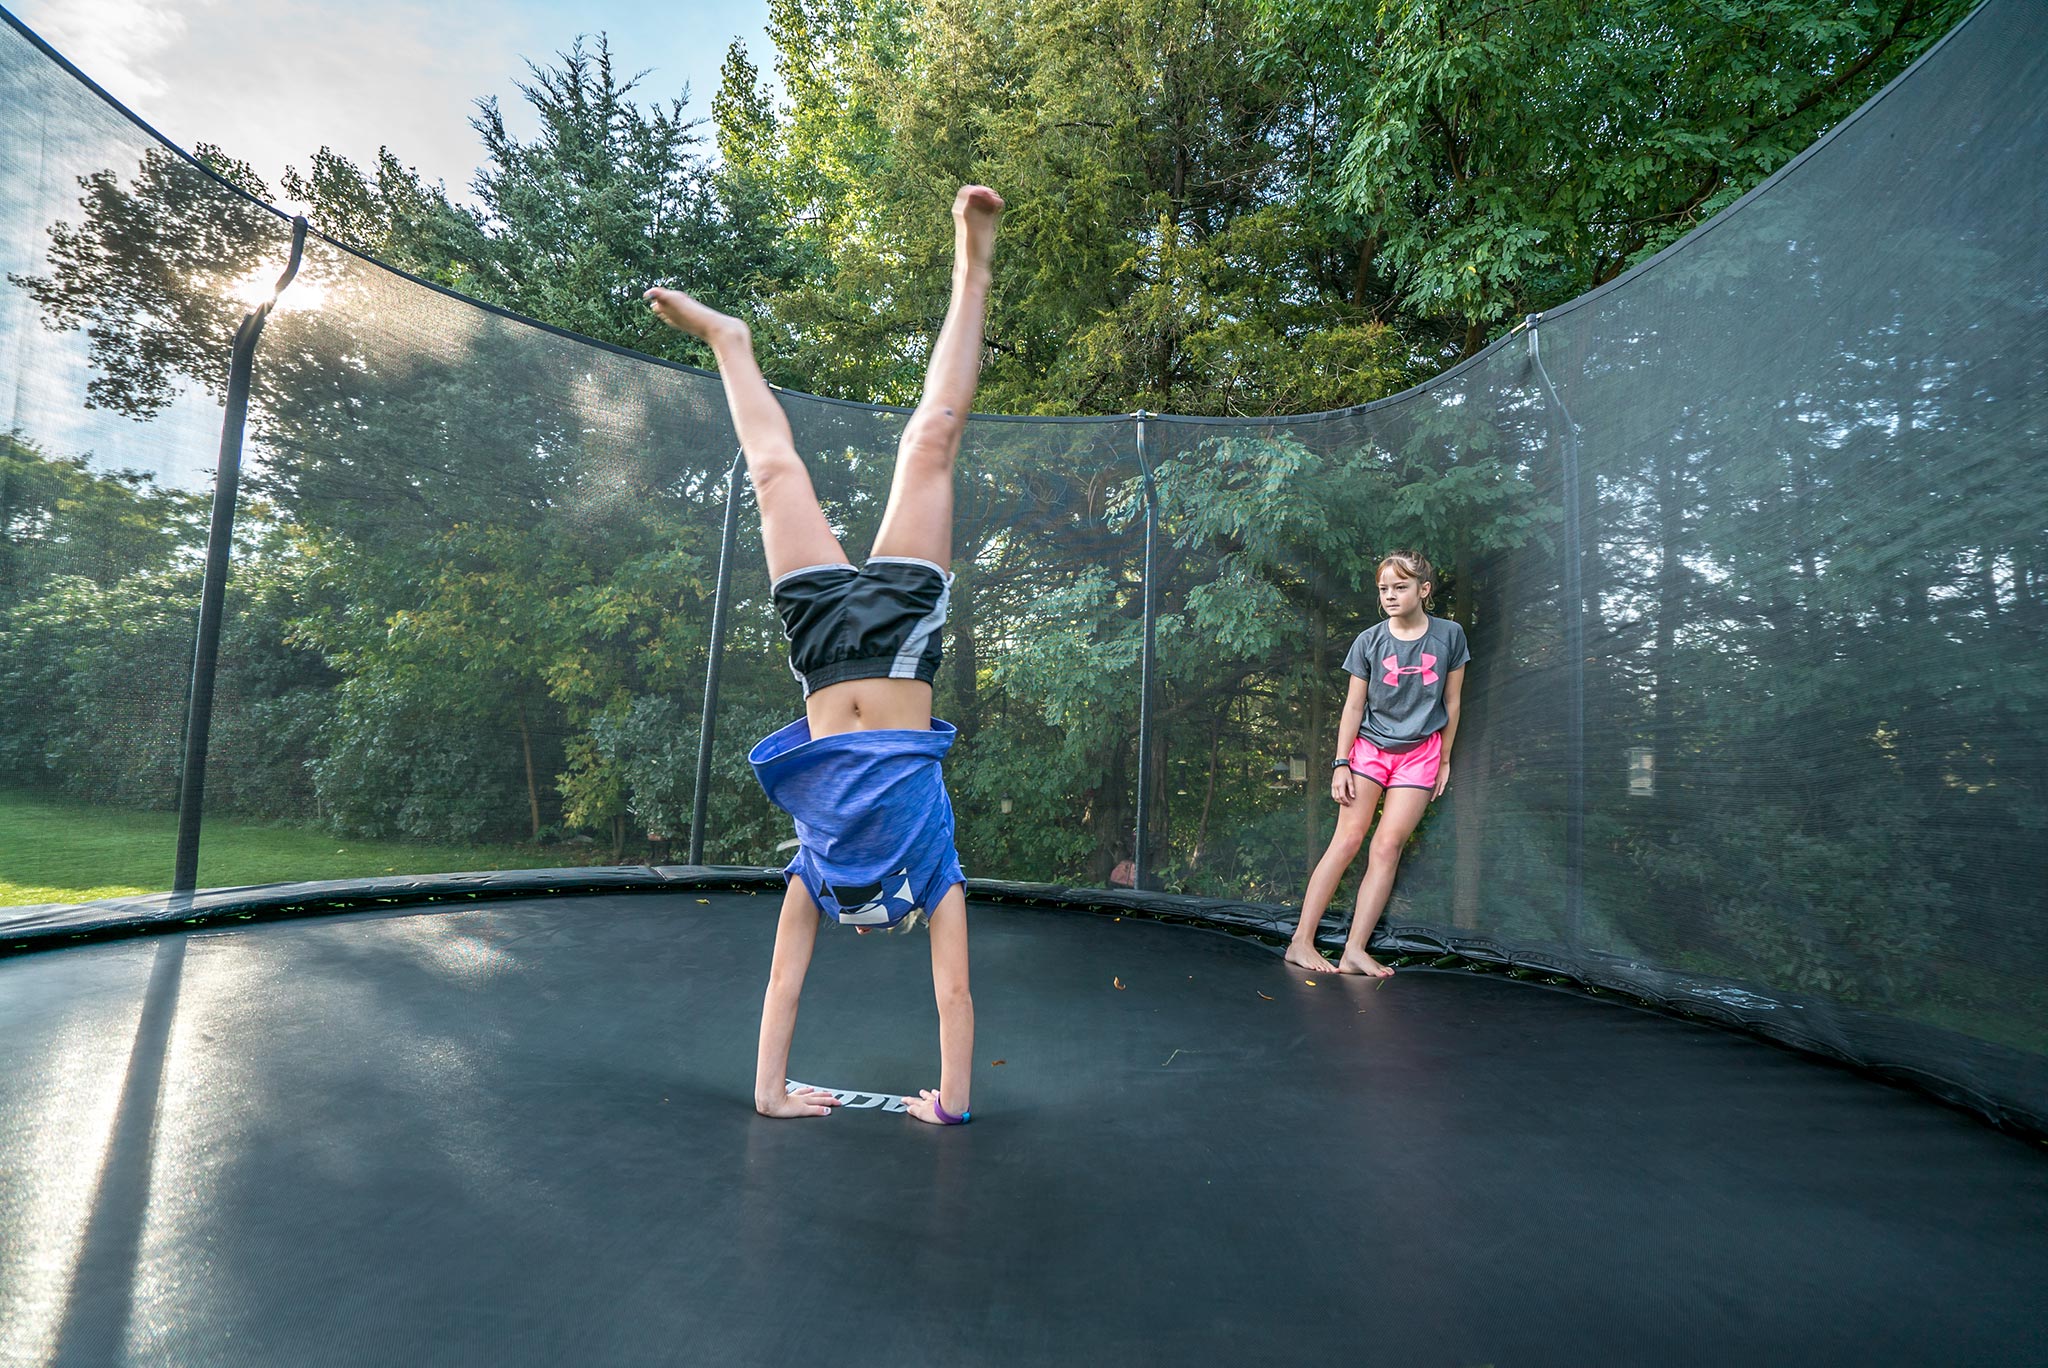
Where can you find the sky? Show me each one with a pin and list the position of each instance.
(271, 81)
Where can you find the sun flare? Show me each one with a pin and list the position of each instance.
(257, 286)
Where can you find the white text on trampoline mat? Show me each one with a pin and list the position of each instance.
(855, 1101)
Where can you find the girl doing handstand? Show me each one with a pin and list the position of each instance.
(859, 771)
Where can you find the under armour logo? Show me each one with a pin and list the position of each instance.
(873, 904)
(1395, 669)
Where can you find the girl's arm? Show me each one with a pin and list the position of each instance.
(948, 932)
(794, 936)
(1454, 697)
(1342, 789)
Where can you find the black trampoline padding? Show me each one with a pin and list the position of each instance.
(521, 1133)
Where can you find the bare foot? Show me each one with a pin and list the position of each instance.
(1306, 957)
(1358, 962)
(682, 312)
(924, 1105)
(802, 1102)
(975, 211)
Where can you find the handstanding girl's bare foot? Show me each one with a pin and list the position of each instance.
(1358, 962)
(975, 211)
(686, 314)
(1307, 957)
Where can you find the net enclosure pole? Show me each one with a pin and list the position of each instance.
(1574, 646)
(720, 599)
(1141, 854)
(220, 545)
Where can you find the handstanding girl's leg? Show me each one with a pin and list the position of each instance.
(956, 1011)
(794, 531)
(1354, 819)
(795, 934)
(1405, 807)
(919, 518)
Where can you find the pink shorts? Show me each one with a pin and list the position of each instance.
(1398, 769)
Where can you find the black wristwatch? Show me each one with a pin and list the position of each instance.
(1340, 762)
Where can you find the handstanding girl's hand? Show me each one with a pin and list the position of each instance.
(1443, 779)
(924, 1106)
(802, 1102)
(1343, 788)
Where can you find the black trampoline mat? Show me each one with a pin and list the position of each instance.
(522, 1132)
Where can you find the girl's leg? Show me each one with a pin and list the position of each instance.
(1405, 807)
(956, 1010)
(793, 528)
(1354, 819)
(795, 934)
(919, 518)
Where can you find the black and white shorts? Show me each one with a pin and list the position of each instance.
(878, 622)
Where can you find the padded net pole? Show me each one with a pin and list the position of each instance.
(1141, 854)
(220, 545)
(707, 727)
(1574, 648)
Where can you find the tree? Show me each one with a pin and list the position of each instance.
(98, 579)
(60, 517)
(1154, 255)
(1502, 158)
(393, 215)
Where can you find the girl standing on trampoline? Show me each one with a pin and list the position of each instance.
(859, 771)
(1400, 718)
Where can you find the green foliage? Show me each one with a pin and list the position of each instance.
(107, 667)
(389, 212)
(395, 762)
(59, 517)
(1153, 254)
(155, 272)
(99, 633)
(606, 199)
(1502, 158)
(98, 584)
(743, 114)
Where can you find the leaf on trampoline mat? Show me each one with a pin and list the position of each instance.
(997, 1063)
(1263, 995)
(1310, 982)
(1118, 982)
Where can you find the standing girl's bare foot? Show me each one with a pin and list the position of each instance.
(685, 314)
(1307, 957)
(1358, 962)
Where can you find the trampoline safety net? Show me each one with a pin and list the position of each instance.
(1753, 557)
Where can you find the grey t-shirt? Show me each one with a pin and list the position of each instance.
(1404, 693)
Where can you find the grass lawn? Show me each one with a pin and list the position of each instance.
(57, 852)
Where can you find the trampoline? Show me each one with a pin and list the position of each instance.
(1752, 543)
(520, 1132)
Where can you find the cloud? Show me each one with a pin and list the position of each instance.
(272, 81)
(358, 77)
(118, 43)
